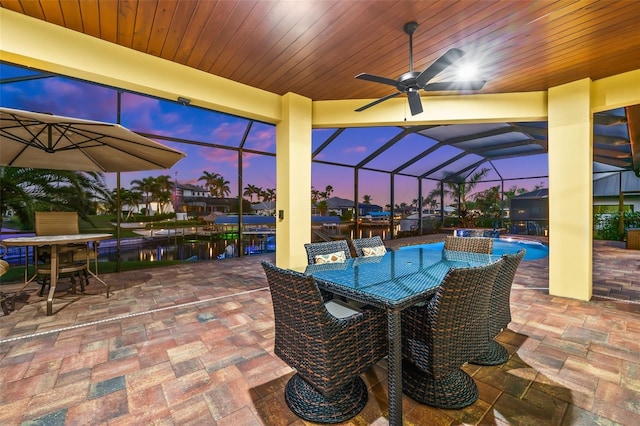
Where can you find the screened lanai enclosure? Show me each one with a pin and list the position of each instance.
(529, 213)
(420, 170)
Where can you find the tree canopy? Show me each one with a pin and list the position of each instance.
(24, 191)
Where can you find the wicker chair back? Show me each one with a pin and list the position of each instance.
(500, 310)
(469, 244)
(56, 223)
(457, 316)
(326, 247)
(360, 243)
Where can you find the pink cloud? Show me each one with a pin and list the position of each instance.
(358, 148)
(263, 139)
(215, 155)
(228, 131)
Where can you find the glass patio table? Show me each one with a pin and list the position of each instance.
(54, 241)
(393, 282)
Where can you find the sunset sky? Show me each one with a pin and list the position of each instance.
(72, 98)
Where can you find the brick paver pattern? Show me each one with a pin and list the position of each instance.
(193, 344)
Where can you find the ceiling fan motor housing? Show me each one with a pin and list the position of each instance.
(408, 80)
(410, 27)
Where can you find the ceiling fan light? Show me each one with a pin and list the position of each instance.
(467, 72)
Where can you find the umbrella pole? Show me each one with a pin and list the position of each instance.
(118, 207)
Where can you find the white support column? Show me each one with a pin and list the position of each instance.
(571, 190)
(293, 186)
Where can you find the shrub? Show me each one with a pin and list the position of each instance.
(606, 225)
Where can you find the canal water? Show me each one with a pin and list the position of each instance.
(189, 248)
(166, 248)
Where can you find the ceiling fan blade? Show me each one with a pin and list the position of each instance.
(448, 58)
(376, 102)
(377, 79)
(415, 104)
(455, 85)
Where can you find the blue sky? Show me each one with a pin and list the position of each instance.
(68, 97)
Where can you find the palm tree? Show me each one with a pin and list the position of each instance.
(433, 203)
(326, 194)
(71, 190)
(26, 190)
(430, 201)
(328, 190)
(515, 190)
(163, 191)
(315, 195)
(163, 198)
(270, 194)
(249, 191)
(403, 206)
(110, 201)
(14, 194)
(459, 190)
(128, 197)
(147, 186)
(209, 181)
(322, 207)
(366, 199)
(222, 187)
(489, 202)
(134, 198)
(259, 193)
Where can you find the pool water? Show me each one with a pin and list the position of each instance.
(533, 249)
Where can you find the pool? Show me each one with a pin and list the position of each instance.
(534, 249)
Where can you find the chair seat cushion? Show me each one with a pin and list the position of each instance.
(374, 251)
(336, 257)
(340, 309)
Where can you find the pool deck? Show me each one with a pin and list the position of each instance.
(192, 344)
(433, 238)
(614, 267)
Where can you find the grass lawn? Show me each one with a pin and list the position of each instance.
(103, 224)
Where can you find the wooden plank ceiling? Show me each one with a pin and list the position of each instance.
(315, 48)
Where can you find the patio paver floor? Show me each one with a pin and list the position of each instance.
(193, 344)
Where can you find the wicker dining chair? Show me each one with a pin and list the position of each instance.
(500, 310)
(447, 332)
(469, 244)
(360, 243)
(328, 353)
(324, 248)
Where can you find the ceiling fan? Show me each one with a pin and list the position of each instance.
(413, 81)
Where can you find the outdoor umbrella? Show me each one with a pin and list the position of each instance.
(45, 141)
